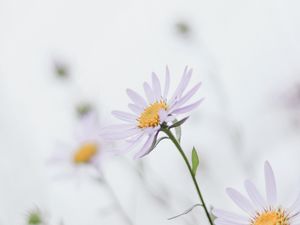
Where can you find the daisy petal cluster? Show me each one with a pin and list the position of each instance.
(259, 210)
(141, 126)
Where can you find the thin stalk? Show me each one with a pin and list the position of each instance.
(114, 197)
(176, 143)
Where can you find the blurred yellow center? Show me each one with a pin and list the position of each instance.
(150, 116)
(85, 153)
(277, 217)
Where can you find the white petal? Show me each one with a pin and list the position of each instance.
(240, 201)
(271, 190)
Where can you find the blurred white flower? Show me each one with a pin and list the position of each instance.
(150, 114)
(260, 211)
(87, 151)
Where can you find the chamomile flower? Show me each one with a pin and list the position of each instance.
(87, 150)
(142, 125)
(260, 211)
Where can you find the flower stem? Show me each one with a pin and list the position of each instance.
(176, 143)
(114, 197)
(118, 204)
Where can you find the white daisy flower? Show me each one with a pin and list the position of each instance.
(87, 150)
(149, 115)
(260, 211)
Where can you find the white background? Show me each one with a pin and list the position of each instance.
(245, 52)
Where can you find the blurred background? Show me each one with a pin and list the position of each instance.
(62, 58)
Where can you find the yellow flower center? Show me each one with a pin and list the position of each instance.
(85, 153)
(150, 116)
(274, 217)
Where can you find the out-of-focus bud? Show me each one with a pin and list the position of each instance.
(61, 70)
(83, 108)
(35, 217)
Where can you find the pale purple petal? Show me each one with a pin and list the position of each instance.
(136, 109)
(225, 222)
(185, 82)
(167, 83)
(170, 118)
(149, 93)
(156, 87)
(185, 98)
(229, 216)
(187, 108)
(240, 201)
(132, 144)
(182, 86)
(136, 98)
(121, 135)
(162, 115)
(117, 127)
(124, 116)
(271, 190)
(175, 95)
(151, 130)
(146, 147)
(295, 206)
(255, 196)
(87, 127)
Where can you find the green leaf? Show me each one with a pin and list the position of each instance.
(195, 161)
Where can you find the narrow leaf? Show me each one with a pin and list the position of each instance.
(195, 161)
(178, 123)
(185, 212)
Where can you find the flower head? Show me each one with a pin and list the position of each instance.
(260, 211)
(148, 115)
(87, 148)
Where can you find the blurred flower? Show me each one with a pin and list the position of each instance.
(292, 97)
(88, 148)
(149, 116)
(260, 211)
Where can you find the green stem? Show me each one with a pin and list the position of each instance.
(176, 143)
